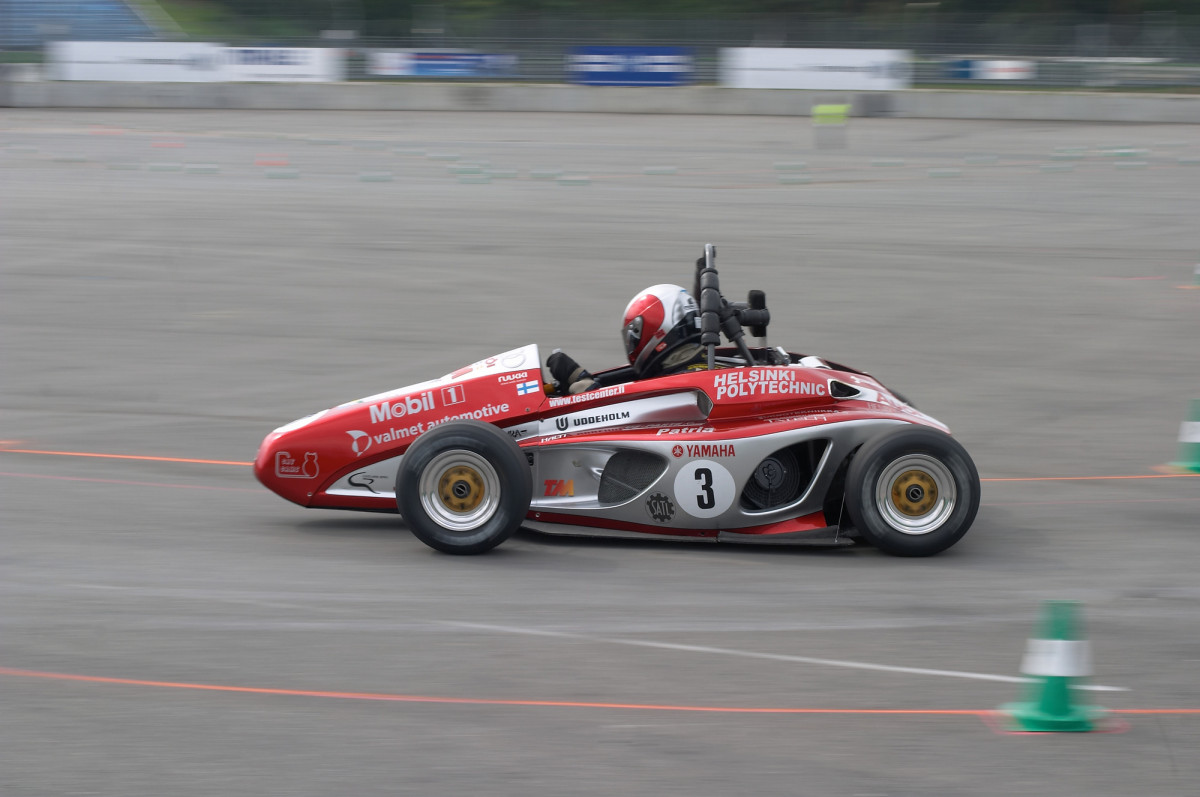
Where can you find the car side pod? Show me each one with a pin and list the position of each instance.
(1054, 660)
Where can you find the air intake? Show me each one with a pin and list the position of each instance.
(627, 473)
(782, 478)
(841, 390)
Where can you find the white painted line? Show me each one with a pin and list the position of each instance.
(749, 654)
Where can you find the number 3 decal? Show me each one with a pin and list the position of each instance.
(706, 500)
(704, 488)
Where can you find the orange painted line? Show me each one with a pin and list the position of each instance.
(122, 456)
(136, 484)
(247, 464)
(396, 698)
(393, 698)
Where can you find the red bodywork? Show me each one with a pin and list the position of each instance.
(326, 460)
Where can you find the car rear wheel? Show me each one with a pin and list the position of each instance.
(913, 491)
(463, 487)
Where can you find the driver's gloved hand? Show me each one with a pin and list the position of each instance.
(568, 374)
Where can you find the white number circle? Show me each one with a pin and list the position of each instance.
(704, 488)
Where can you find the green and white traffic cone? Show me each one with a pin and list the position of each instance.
(829, 125)
(1195, 286)
(1055, 660)
(1189, 441)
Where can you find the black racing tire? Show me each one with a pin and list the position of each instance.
(912, 491)
(463, 487)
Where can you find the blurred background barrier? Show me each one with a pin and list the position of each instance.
(630, 66)
(815, 68)
(190, 62)
(491, 39)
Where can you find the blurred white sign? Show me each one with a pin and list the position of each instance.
(825, 69)
(284, 64)
(1004, 70)
(150, 62)
(192, 62)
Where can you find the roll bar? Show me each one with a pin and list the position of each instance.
(719, 316)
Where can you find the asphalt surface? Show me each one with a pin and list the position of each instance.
(170, 627)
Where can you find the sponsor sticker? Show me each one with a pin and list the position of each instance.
(677, 451)
(503, 378)
(660, 508)
(367, 480)
(704, 488)
(410, 405)
(525, 388)
(751, 382)
(683, 429)
(288, 467)
(484, 413)
(360, 441)
(564, 422)
(707, 450)
(560, 488)
(522, 431)
(591, 395)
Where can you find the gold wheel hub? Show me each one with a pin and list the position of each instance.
(914, 493)
(461, 488)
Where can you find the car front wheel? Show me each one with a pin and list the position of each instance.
(463, 487)
(912, 491)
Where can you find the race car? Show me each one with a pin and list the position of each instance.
(751, 444)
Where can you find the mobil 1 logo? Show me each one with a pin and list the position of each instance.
(704, 488)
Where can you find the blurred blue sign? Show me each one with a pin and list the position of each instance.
(630, 66)
(446, 63)
(434, 64)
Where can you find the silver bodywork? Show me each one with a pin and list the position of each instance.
(582, 463)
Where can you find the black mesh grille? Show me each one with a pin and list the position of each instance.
(627, 473)
(783, 477)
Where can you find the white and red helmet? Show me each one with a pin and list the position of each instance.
(661, 330)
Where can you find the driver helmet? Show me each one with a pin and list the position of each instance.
(661, 330)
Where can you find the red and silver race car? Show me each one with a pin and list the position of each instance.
(754, 445)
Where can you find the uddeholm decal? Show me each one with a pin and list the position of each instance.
(660, 508)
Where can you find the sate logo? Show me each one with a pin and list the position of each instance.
(356, 442)
(563, 488)
(660, 508)
(286, 466)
